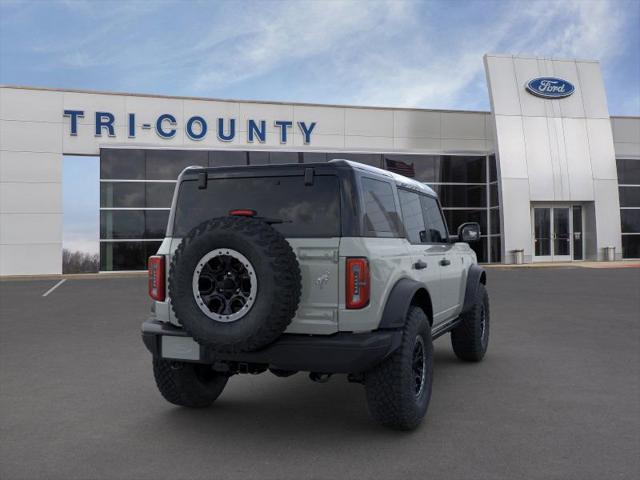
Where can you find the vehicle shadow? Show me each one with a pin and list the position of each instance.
(253, 406)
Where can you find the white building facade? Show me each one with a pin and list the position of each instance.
(548, 174)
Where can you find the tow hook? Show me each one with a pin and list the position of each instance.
(319, 377)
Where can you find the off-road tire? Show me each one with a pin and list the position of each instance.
(278, 279)
(188, 384)
(390, 386)
(470, 338)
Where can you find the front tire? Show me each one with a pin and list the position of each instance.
(470, 339)
(188, 384)
(399, 389)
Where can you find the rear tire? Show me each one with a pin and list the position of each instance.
(470, 338)
(399, 389)
(188, 384)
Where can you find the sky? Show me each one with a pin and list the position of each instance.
(389, 53)
(380, 53)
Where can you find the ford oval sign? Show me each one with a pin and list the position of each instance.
(550, 87)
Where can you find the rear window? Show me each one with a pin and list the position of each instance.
(306, 210)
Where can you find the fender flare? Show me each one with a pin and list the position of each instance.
(400, 299)
(476, 276)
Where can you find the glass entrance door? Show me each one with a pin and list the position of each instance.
(557, 233)
(542, 234)
(561, 234)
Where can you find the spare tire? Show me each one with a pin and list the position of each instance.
(234, 283)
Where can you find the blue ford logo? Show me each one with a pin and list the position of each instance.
(550, 87)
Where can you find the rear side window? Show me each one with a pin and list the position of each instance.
(380, 214)
(305, 210)
(412, 216)
(436, 229)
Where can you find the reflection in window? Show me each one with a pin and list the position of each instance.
(156, 223)
(159, 195)
(167, 164)
(380, 213)
(436, 231)
(455, 218)
(122, 164)
(122, 195)
(412, 216)
(126, 255)
(121, 224)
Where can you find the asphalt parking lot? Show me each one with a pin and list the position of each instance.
(558, 395)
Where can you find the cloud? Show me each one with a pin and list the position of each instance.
(393, 53)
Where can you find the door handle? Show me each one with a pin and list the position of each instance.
(419, 265)
(444, 262)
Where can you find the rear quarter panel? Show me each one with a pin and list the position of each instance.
(389, 261)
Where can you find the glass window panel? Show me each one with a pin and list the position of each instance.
(122, 164)
(471, 196)
(258, 158)
(373, 159)
(577, 232)
(420, 167)
(461, 169)
(495, 221)
(121, 224)
(436, 230)
(493, 169)
(494, 199)
(308, 210)
(628, 171)
(159, 195)
(496, 246)
(630, 221)
(312, 157)
(284, 157)
(167, 164)
(629, 196)
(156, 223)
(631, 246)
(412, 216)
(380, 214)
(455, 218)
(227, 158)
(122, 195)
(126, 255)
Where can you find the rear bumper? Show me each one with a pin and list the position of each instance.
(339, 353)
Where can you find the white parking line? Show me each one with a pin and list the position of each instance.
(54, 287)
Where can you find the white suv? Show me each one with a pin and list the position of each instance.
(327, 268)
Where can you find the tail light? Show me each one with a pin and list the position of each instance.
(156, 278)
(358, 286)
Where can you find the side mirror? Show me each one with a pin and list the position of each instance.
(469, 232)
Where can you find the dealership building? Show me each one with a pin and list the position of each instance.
(548, 173)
